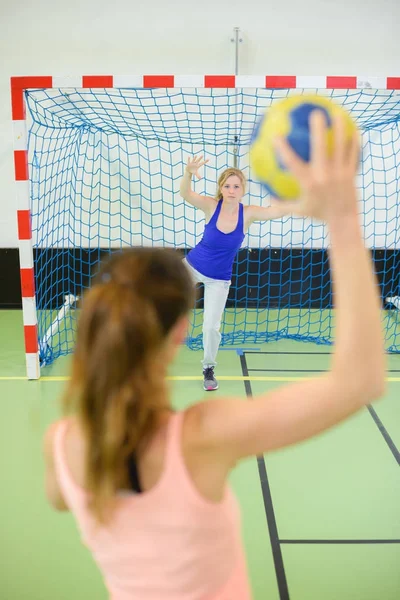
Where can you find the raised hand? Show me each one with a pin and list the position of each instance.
(193, 165)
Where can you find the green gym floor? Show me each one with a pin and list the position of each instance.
(321, 519)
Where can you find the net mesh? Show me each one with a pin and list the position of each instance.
(105, 169)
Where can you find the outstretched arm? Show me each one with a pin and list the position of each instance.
(205, 203)
(266, 213)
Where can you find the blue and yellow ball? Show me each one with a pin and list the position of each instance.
(289, 118)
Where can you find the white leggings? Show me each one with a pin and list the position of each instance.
(215, 295)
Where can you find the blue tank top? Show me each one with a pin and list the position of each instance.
(214, 254)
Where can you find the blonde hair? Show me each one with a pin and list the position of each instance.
(225, 175)
(117, 390)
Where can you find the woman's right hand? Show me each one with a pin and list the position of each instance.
(327, 183)
(193, 165)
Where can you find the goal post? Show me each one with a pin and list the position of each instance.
(97, 166)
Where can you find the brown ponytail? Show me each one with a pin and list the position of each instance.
(117, 388)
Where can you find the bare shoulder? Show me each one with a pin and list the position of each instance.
(248, 215)
(251, 210)
(203, 428)
(266, 213)
(73, 435)
(50, 434)
(75, 441)
(209, 207)
(207, 460)
(52, 487)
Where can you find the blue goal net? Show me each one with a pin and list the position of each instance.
(105, 169)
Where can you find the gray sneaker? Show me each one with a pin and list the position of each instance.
(210, 383)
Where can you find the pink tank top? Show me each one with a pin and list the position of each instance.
(165, 544)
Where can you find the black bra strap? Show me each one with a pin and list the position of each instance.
(133, 474)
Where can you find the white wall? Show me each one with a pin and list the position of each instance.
(330, 37)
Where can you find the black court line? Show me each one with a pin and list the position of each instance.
(268, 506)
(392, 446)
(385, 434)
(344, 542)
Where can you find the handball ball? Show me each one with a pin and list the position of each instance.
(289, 118)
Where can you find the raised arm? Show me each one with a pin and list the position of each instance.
(205, 203)
(235, 429)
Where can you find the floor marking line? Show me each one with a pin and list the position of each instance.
(268, 504)
(385, 434)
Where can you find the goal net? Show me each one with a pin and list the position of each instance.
(105, 168)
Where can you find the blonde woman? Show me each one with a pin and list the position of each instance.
(211, 260)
